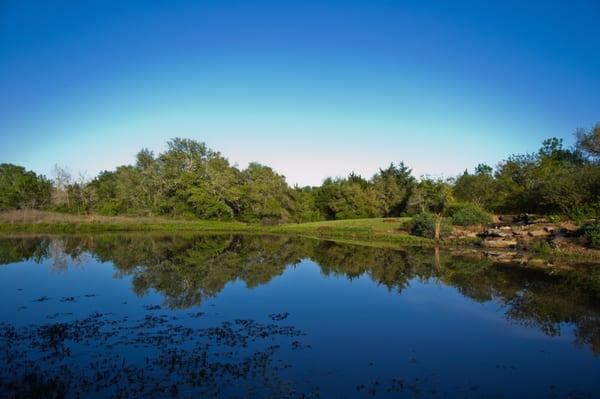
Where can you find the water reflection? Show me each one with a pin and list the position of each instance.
(189, 269)
(173, 349)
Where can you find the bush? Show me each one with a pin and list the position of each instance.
(591, 232)
(423, 225)
(466, 214)
(541, 248)
(110, 207)
(579, 214)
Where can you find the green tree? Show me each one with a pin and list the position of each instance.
(351, 198)
(393, 187)
(304, 208)
(265, 196)
(433, 195)
(21, 189)
(480, 188)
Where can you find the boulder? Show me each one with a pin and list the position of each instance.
(520, 232)
(499, 243)
(539, 232)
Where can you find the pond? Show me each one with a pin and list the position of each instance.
(265, 316)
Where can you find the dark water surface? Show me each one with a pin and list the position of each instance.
(248, 316)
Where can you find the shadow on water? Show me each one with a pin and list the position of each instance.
(237, 358)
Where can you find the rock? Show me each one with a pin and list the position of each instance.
(560, 242)
(539, 233)
(538, 220)
(509, 219)
(463, 232)
(494, 233)
(537, 262)
(521, 260)
(519, 232)
(499, 243)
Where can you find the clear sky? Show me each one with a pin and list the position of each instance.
(313, 89)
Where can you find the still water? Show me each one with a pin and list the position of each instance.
(249, 316)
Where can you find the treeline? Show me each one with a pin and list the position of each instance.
(190, 180)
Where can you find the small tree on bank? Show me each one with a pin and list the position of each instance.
(433, 195)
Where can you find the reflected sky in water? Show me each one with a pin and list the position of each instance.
(250, 316)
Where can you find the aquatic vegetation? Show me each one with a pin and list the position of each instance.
(97, 354)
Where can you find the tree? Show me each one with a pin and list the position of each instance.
(393, 187)
(22, 189)
(189, 179)
(433, 195)
(478, 188)
(304, 208)
(61, 181)
(588, 141)
(351, 198)
(265, 196)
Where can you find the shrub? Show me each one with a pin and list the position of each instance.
(110, 207)
(423, 225)
(541, 248)
(591, 232)
(581, 213)
(557, 218)
(466, 214)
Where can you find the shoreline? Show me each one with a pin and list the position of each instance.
(381, 233)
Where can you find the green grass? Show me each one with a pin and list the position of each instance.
(390, 230)
(52, 222)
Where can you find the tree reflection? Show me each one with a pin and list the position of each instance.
(187, 269)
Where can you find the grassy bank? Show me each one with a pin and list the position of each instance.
(389, 230)
(51, 222)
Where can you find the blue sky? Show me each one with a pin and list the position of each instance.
(313, 89)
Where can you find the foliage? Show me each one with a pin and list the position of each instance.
(20, 188)
(393, 188)
(541, 248)
(588, 141)
(467, 214)
(431, 195)
(351, 198)
(424, 225)
(478, 188)
(555, 180)
(591, 232)
(190, 180)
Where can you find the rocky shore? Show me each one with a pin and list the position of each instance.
(527, 240)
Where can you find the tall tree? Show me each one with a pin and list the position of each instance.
(393, 187)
